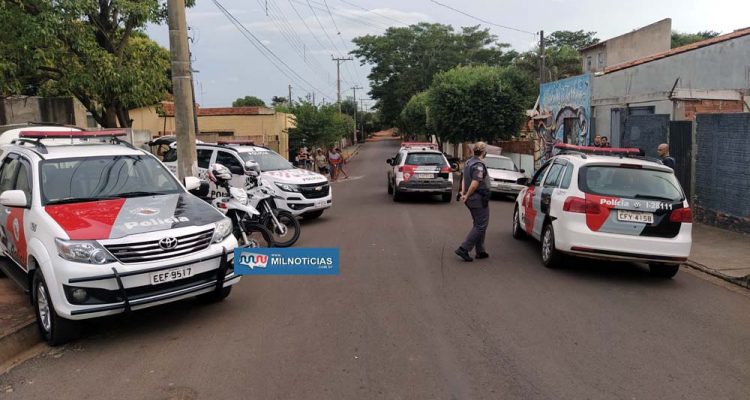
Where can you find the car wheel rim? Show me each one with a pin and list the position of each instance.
(515, 221)
(547, 245)
(44, 310)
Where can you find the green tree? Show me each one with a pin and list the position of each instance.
(405, 59)
(93, 50)
(319, 125)
(574, 39)
(479, 103)
(348, 107)
(279, 100)
(682, 39)
(414, 116)
(248, 101)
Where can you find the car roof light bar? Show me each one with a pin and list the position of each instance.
(40, 134)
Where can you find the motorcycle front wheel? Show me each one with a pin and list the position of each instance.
(288, 230)
(257, 236)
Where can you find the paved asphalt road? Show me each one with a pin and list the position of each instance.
(407, 320)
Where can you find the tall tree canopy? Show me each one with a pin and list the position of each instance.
(479, 103)
(561, 57)
(413, 119)
(319, 125)
(248, 101)
(93, 50)
(682, 39)
(405, 59)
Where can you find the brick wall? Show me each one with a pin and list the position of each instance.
(722, 171)
(693, 107)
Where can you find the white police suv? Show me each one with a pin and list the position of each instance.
(608, 204)
(419, 168)
(299, 191)
(100, 228)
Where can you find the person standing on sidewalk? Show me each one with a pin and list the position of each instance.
(341, 164)
(475, 193)
(666, 159)
(334, 159)
(321, 162)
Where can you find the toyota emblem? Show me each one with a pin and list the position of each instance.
(168, 243)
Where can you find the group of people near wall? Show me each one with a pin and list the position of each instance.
(327, 162)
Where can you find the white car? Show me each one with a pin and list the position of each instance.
(504, 174)
(299, 191)
(419, 168)
(98, 229)
(614, 207)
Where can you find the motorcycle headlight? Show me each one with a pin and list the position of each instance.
(287, 187)
(83, 251)
(222, 230)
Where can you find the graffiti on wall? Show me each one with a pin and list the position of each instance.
(564, 115)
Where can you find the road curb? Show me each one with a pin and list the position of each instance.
(743, 281)
(17, 340)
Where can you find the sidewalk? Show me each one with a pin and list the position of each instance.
(17, 328)
(721, 253)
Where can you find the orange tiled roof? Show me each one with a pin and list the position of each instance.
(678, 50)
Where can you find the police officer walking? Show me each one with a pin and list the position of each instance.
(475, 193)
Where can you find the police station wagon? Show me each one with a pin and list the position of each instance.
(609, 204)
(94, 229)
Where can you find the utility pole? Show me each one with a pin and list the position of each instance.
(181, 84)
(313, 99)
(290, 96)
(338, 77)
(354, 89)
(541, 57)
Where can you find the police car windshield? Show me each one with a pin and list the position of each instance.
(629, 183)
(268, 160)
(425, 159)
(499, 163)
(73, 180)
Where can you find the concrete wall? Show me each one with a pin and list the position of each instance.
(721, 173)
(60, 110)
(719, 72)
(650, 39)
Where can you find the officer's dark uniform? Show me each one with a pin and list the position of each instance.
(478, 203)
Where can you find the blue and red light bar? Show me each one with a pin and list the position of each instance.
(31, 134)
(599, 150)
(419, 144)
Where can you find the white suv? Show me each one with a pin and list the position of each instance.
(610, 205)
(419, 168)
(299, 191)
(103, 228)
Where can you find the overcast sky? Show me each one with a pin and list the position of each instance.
(230, 66)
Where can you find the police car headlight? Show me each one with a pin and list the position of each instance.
(287, 187)
(222, 230)
(83, 251)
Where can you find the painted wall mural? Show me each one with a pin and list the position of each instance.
(564, 115)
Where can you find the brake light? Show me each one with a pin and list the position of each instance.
(446, 169)
(684, 215)
(582, 206)
(408, 171)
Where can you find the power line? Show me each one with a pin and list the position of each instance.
(265, 51)
(324, 29)
(343, 42)
(372, 11)
(482, 20)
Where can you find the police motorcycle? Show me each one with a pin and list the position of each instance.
(282, 224)
(246, 229)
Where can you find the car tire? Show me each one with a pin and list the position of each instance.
(312, 214)
(518, 232)
(390, 188)
(214, 296)
(447, 197)
(666, 271)
(397, 195)
(551, 257)
(53, 329)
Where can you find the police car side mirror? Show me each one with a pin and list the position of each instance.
(523, 171)
(192, 183)
(389, 161)
(13, 198)
(523, 181)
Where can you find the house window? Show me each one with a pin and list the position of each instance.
(588, 63)
(600, 60)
